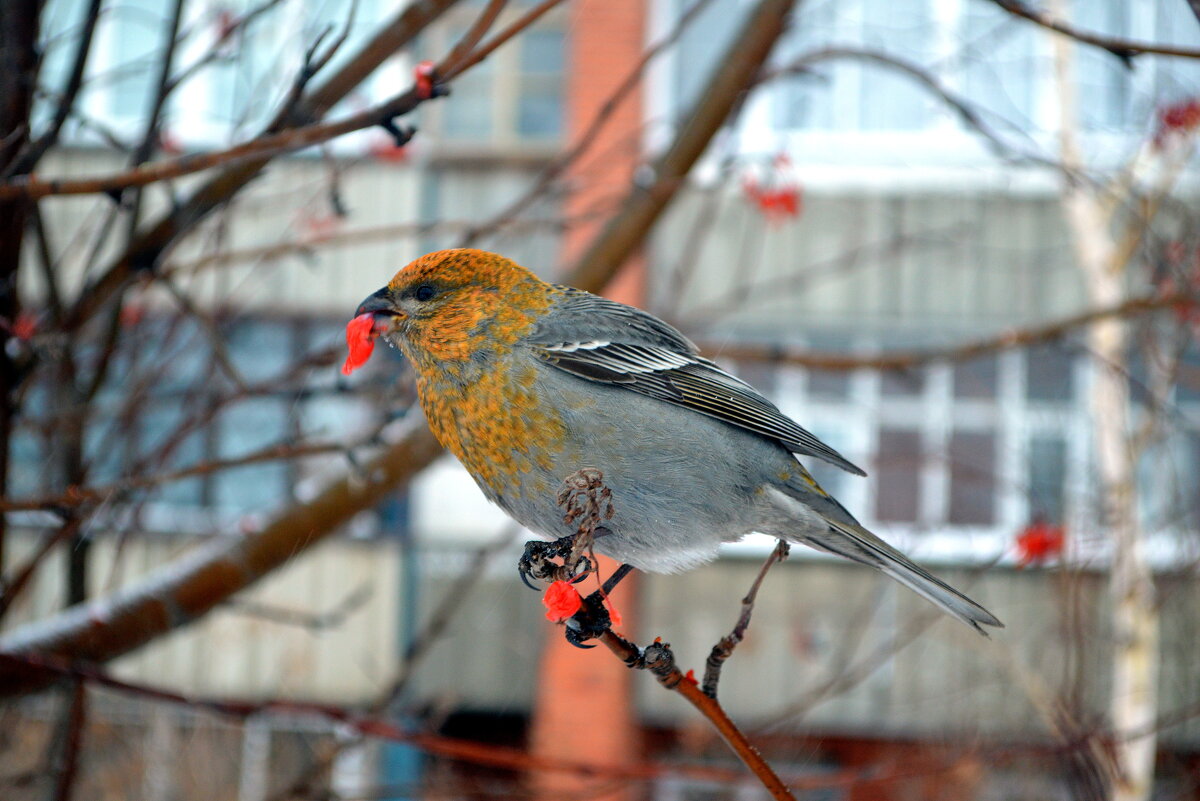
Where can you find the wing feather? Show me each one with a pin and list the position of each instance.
(632, 349)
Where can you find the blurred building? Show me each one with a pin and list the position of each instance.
(848, 210)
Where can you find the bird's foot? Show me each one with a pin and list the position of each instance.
(537, 562)
(589, 622)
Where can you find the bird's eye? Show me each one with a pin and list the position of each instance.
(424, 292)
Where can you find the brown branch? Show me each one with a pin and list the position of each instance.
(178, 593)
(1124, 49)
(208, 575)
(725, 646)
(659, 660)
(265, 145)
(904, 360)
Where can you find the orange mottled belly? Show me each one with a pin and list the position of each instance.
(495, 426)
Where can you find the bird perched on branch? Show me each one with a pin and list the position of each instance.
(527, 382)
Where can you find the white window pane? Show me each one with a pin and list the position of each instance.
(163, 428)
(246, 427)
(467, 113)
(1000, 64)
(260, 349)
(540, 108)
(29, 472)
(138, 29)
(809, 100)
(976, 378)
(1104, 82)
(62, 22)
(887, 100)
(701, 44)
(1048, 373)
(1047, 477)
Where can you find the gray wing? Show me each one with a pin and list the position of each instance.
(628, 347)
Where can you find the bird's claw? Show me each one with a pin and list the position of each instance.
(589, 622)
(537, 562)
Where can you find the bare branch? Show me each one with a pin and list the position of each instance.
(314, 621)
(962, 108)
(724, 648)
(145, 252)
(659, 660)
(583, 142)
(456, 64)
(76, 497)
(904, 360)
(1124, 49)
(471, 38)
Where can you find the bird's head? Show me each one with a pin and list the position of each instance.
(455, 305)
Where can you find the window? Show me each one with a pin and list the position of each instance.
(1000, 64)
(974, 449)
(972, 467)
(1047, 472)
(515, 97)
(898, 476)
(169, 405)
(240, 80)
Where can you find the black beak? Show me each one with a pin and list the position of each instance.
(378, 303)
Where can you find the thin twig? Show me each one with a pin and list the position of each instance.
(314, 621)
(659, 660)
(724, 648)
(72, 742)
(462, 49)
(85, 496)
(584, 141)
(1008, 340)
(414, 654)
(23, 574)
(448, 71)
(1124, 49)
(369, 726)
(962, 108)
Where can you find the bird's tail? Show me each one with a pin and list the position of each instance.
(860, 545)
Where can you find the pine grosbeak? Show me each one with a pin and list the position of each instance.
(527, 382)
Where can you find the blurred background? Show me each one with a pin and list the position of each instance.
(959, 246)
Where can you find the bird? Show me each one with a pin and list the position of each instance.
(526, 382)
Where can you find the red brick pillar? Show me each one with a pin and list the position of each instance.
(583, 708)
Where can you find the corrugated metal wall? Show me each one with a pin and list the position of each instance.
(832, 647)
(916, 261)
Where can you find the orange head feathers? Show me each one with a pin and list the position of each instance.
(451, 305)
